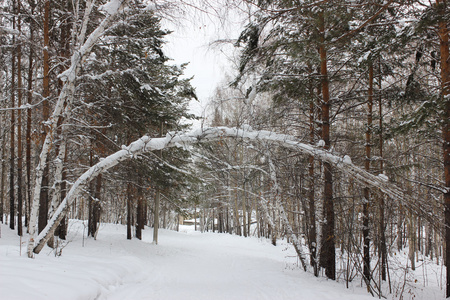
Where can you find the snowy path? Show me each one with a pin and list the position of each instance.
(185, 265)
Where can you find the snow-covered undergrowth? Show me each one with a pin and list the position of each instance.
(185, 265)
(427, 281)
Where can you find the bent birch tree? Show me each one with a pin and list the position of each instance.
(184, 139)
(64, 103)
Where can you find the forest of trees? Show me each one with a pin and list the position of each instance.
(341, 146)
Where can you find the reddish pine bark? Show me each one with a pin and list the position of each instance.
(445, 81)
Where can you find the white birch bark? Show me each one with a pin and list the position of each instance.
(296, 241)
(87, 13)
(147, 144)
(63, 105)
(275, 191)
(59, 165)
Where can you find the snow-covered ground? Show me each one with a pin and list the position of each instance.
(184, 265)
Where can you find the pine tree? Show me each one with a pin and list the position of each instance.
(130, 85)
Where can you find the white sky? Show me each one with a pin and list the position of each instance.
(190, 43)
(205, 64)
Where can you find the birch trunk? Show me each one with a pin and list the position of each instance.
(63, 225)
(147, 144)
(64, 103)
(366, 204)
(59, 163)
(296, 242)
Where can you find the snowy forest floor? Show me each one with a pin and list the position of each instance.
(184, 265)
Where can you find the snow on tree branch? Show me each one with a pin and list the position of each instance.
(184, 139)
(63, 107)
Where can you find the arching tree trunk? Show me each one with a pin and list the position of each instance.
(64, 104)
(147, 144)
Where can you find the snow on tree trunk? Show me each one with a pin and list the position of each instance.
(279, 206)
(59, 162)
(64, 103)
(147, 144)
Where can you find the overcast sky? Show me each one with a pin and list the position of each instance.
(191, 42)
(205, 64)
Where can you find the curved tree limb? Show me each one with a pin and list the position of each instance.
(184, 139)
(63, 106)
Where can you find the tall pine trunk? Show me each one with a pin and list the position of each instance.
(139, 212)
(97, 208)
(156, 217)
(19, 131)
(62, 107)
(129, 211)
(94, 201)
(29, 117)
(328, 255)
(445, 81)
(12, 129)
(157, 201)
(312, 206)
(3, 177)
(382, 228)
(43, 199)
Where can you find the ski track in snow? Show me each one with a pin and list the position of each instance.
(185, 265)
